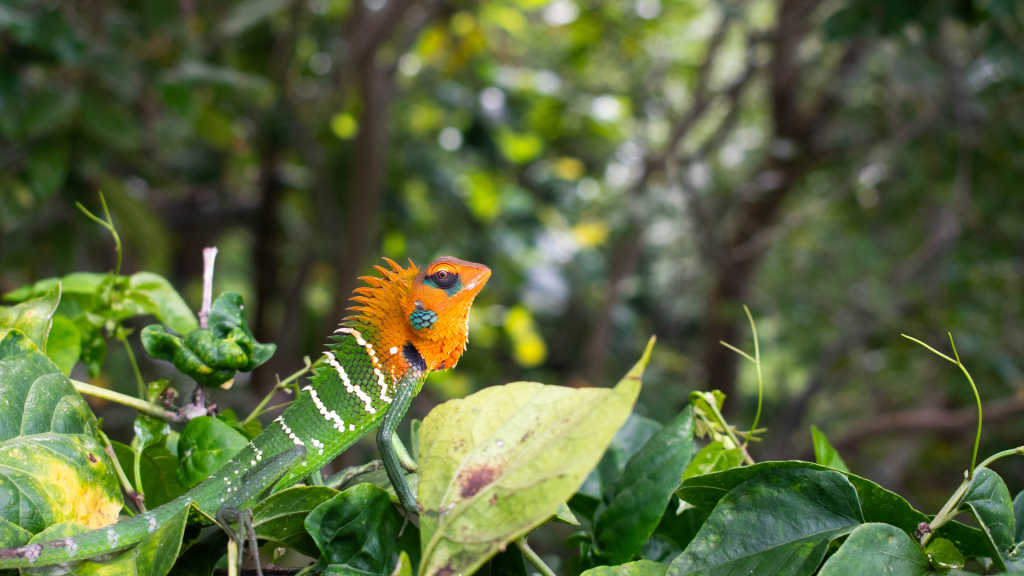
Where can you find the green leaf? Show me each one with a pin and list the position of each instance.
(988, 500)
(52, 469)
(675, 532)
(943, 554)
(824, 453)
(638, 498)
(158, 468)
(164, 346)
(211, 356)
(500, 462)
(151, 431)
(250, 430)
(404, 566)
(12, 535)
(627, 441)
(64, 344)
(280, 518)
(32, 317)
(1018, 516)
(638, 568)
(779, 522)
(202, 557)
(206, 444)
(565, 516)
(54, 532)
(877, 503)
(356, 531)
(713, 458)
(881, 549)
(148, 293)
(379, 478)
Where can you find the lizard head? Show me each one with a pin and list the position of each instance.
(427, 308)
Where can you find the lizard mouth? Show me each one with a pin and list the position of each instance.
(479, 281)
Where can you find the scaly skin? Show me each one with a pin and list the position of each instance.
(378, 362)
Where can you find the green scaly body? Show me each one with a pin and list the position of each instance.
(349, 395)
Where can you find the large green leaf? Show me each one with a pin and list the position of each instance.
(206, 444)
(202, 557)
(211, 356)
(356, 532)
(824, 453)
(627, 441)
(877, 503)
(32, 317)
(52, 469)
(881, 549)
(1018, 516)
(638, 498)
(988, 500)
(500, 462)
(280, 518)
(638, 568)
(779, 522)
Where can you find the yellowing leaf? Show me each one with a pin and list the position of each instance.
(499, 463)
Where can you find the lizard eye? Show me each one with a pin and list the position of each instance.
(444, 278)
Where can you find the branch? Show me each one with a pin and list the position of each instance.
(920, 420)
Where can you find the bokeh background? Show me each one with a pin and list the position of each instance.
(850, 169)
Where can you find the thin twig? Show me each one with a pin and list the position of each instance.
(280, 386)
(136, 499)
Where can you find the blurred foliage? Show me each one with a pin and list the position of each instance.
(528, 135)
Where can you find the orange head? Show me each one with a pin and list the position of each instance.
(427, 308)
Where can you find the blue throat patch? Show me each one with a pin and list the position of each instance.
(423, 319)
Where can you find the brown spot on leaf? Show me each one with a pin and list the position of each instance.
(446, 571)
(92, 458)
(494, 499)
(477, 478)
(525, 436)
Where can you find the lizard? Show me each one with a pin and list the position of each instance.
(406, 323)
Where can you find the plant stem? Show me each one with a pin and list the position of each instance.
(119, 334)
(1003, 454)
(109, 225)
(140, 405)
(760, 382)
(125, 484)
(977, 397)
(232, 558)
(728, 430)
(533, 558)
(280, 385)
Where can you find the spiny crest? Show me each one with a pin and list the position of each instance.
(384, 295)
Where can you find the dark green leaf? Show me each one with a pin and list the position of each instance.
(638, 568)
(877, 503)
(988, 500)
(778, 522)
(824, 453)
(627, 441)
(151, 431)
(714, 457)
(679, 528)
(1018, 516)
(227, 321)
(280, 518)
(202, 557)
(638, 498)
(881, 549)
(357, 530)
(12, 535)
(206, 444)
(163, 346)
